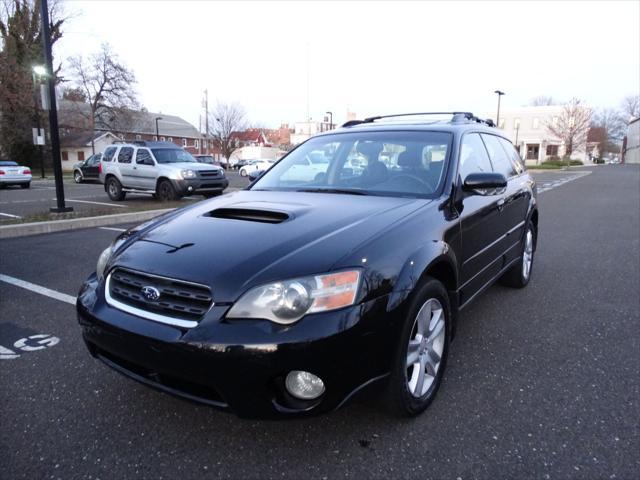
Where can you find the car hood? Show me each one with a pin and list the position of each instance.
(248, 238)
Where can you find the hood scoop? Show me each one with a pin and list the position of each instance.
(249, 215)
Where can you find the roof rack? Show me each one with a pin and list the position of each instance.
(456, 117)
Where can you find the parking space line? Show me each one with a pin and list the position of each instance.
(113, 228)
(9, 215)
(47, 292)
(97, 203)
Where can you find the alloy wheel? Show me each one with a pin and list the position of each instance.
(527, 256)
(77, 177)
(426, 345)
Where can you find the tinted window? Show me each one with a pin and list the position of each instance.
(473, 156)
(501, 163)
(513, 155)
(125, 155)
(143, 155)
(108, 154)
(376, 163)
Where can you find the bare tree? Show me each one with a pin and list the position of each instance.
(108, 86)
(224, 120)
(631, 107)
(612, 124)
(572, 126)
(542, 100)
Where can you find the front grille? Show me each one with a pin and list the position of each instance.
(209, 173)
(177, 299)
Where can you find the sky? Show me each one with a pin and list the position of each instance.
(280, 60)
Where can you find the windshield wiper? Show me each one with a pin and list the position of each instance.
(333, 190)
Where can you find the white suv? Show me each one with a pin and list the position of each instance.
(159, 168)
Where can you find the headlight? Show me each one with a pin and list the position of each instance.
(188, 173)
(106, 254)
(288, 301)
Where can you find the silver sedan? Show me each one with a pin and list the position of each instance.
(13, 174)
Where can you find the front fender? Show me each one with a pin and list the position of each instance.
(418, 263)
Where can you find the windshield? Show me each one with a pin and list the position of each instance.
(374, 163)
(172, 155)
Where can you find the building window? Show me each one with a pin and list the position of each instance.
(155, 139)
(171, 139)
(138, 137)
(184, 142)
(65, 155)
(162, 139)
(536, 123)
(196, 143)
(80, 155)
(516, 123)
(552, 150)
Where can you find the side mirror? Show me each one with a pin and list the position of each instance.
(487, 183)
(255, 174)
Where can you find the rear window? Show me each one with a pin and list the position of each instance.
(8, 163)
(108, 154)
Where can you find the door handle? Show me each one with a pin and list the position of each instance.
(500, 204)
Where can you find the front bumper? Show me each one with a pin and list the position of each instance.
(241, 365)
(200, 185)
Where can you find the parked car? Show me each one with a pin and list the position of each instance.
(240, 163)
(158, 168)
(333, 285)
(13, 174)
(254, 165)
(210, 160)
(88, 169)
(312, 166)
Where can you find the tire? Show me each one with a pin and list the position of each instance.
(25, 185)
(519, 275)
(429, 303)
(166, 192)
(77, 176)
(243, 172)
(114, 189)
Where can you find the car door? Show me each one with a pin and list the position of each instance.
(481, 225)
(90, 167)
(145, 170)
(515, 198)
(125, 166)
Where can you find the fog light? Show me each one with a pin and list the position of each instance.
(190, 189)
(304, 385)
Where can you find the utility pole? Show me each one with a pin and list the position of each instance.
(206, 119)
(53, 112)
(498, 114)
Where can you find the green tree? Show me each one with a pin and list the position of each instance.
(20, 50)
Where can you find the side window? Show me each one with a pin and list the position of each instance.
(473, 156)
(125, 155)
(501, 162)
(108, 154)
(143, 157)
(513, 155)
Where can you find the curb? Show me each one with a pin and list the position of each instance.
(38, 228)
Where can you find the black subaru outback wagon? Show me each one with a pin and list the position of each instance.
(347, 269)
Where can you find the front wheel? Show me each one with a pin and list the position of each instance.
(422, 350)
(166, 192)
(77, 177)
(243, 173)
(519, 275)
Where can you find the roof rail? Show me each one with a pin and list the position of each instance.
(456, 117)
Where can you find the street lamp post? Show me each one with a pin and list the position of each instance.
(157, 132)
(53, 112)
(38, 71)
(498, 114)
(330, 120)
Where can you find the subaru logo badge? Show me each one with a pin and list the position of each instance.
(150, 293)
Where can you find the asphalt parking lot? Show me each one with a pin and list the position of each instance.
(88, 198)
(541, 383)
